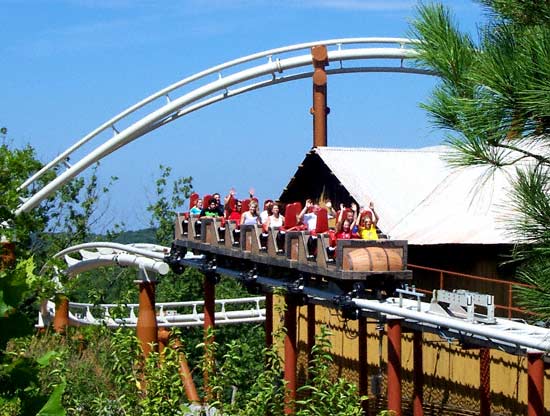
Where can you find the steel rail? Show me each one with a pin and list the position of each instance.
(139, 249)
(118, 259)
(215, 69)
(81, 313)
(503, 333)
(279, 80)
(160, 116)
(514, 333)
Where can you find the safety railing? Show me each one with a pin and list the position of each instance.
(507, 287)
(189, 313)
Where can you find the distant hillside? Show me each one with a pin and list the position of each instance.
(147, 235)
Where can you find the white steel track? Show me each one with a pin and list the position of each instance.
(192, 98)
(148, 258)
(145, 257)
(169, 314)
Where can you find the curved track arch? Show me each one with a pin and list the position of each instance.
(279, 62)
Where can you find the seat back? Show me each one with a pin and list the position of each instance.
(205, 200)
(291, 211)
(193, 198)
(322, 221)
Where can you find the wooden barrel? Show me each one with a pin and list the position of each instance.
(374, 259)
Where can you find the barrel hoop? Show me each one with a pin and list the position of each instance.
(387, 259)
(370, 259)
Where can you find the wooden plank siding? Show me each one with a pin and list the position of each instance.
(451, 373)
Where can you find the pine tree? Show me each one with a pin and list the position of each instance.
(493, 100)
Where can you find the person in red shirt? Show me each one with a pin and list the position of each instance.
(236, 216)
(346, 231)
(236, 213)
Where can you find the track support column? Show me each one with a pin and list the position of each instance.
(147, 328)
(319, 110)
(268, 320)
(535, 387)
(394, 365)
(185, 375)
(418, 375)
(290, 352)
(363, 362)
(163, 336)
(310, 329)
(61, 318)
(484, 382)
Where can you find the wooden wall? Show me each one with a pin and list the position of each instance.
(451, 372)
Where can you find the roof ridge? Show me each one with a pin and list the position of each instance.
(429, 149)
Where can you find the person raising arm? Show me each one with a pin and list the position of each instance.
(367, 228)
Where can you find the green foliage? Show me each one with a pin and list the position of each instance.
(522, 12)
(53, 406)
(325, 396)
(164, 390)
(35, 237)
(164, 209)
(146, 235)
(267, 395)
(489, 92)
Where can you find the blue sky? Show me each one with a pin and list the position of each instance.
(67, 66)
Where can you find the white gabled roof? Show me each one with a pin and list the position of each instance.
(420, 198)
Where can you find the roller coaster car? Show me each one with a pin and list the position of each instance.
(371, 262)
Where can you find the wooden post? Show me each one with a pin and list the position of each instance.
(268, 320)
(418, 375)
(185, 375)
(363, 362)
(319, 110)
(535, 386)
(310, 329)
(484, 382)
(394, 366)
(163, 336)
(61, 318)
(290, 353)
(147, 328)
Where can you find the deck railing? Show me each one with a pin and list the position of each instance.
(506, 286)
